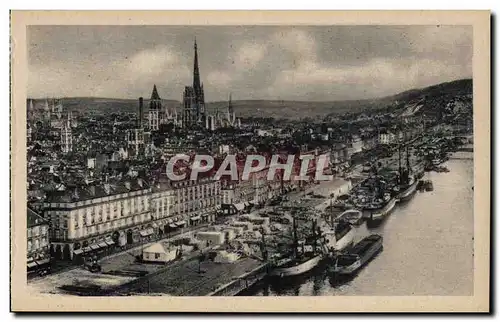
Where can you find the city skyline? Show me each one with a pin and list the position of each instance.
(251, 62)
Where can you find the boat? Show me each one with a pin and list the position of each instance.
(408, 184)
(305, 256)
(381, 214)
(358, 256)
(409, 192)
(340, 237)
(296, 266)
(352, 216)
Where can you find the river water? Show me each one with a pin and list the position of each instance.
(428, 247)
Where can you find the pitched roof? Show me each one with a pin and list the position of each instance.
(155, 248)
(154, 94)
(34, 219)
(95, 190)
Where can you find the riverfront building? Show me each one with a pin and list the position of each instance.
(196, 201)
(92, 219)
(38, 255)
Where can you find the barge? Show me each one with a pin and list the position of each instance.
(360, 254)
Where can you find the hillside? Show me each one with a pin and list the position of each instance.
(433, 96)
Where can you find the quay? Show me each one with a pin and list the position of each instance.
(194, 278)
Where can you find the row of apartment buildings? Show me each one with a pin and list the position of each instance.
(95, 218)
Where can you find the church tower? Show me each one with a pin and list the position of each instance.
(194, 97)
(135, 136)
(154, 110)
(66, 137)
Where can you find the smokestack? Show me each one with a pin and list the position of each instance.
(139, 118)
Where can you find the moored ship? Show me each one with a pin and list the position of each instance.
(409, 191)
(407, 182)
(296, 266)
(340, 237)
(305, 255)
(359, 255)
(381, 214)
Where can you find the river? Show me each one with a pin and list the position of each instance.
(428, 247)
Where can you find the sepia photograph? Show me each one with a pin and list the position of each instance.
(285, 163)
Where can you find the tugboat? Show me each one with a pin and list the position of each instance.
(359, 255)
(305, 255)
(383, 204)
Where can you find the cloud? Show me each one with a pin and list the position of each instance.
(251, 62)
(249, 55)
(376, 77)
(219, 79)
(153, 61)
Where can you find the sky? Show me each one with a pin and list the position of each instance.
(319, 63)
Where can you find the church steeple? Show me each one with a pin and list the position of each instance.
(196, 69)
(230, 105)
(155, 102)
(154, 94)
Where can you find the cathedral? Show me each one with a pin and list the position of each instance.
(193, 100)
(193, 113)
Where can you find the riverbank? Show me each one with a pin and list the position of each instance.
(428, 247)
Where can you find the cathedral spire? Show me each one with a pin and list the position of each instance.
(196, 70)
(154, 94)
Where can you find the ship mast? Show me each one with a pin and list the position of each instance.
(314, 235)
(295, 241)
(282, 184)
(408, 165)
(399, 163)
(401, 145)
(263, 246)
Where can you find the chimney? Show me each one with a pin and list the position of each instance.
(139, 118)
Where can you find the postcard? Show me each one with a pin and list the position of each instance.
(259, 161)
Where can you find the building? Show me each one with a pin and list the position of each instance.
(95, 218)
(154, 110)
(159, 253)
(387, 138)
(355, 145)
(38, 254)
(230, 119)
(193, 100)
(196, 201)
(210, 123)
(136, 141)
(236, 196)
(136, 137)
(162, 205)
(66, 137)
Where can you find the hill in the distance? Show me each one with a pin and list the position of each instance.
(433, 95)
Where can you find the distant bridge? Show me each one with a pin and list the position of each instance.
(462, 155)
(467, 148)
